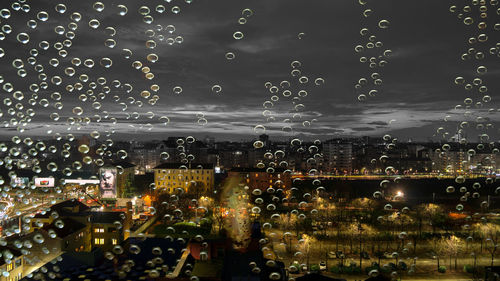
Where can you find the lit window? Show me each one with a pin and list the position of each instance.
(114, 241)
(99, 241)
(99, 230)
(10, 267)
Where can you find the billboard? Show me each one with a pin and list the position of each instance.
(81, 182)
(19, 181)
(107, 182)
(44, 182)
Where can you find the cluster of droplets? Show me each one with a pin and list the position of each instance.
(285, 107)
(246, 14)
(157, 264)
(372, 53)
(481, 19)
(75, 81)
(46, 81)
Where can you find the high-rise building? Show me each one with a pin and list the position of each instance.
(338, 156)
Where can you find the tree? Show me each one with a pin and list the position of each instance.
(218, 217)
(492, 233)
(196, 189)
(439, 248)
(433, 211)
(287, 221)
(452, 246)
(363, 231)
(305, 245)
(351, 230)
(161, 204)
(419, 215)
(366, 204)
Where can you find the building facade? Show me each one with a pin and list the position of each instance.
(338, 156)
(192, 178)
(261, 179)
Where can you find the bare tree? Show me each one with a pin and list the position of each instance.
(438, 246)
(305, 245)
(452, 246)
(492, 234)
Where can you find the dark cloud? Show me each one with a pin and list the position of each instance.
(380, 123)
(416, 93)
(363, 129)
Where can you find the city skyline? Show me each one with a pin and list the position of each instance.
(255, 140)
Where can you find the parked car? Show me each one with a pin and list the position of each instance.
(322, 266)
(339, 254)
(331, 255)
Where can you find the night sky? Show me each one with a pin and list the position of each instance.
(417, 91)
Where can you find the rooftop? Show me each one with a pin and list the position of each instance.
(184, 166)
(105, 217)
(124, 164)
(255, 170)
(70, 226)
(14, 252)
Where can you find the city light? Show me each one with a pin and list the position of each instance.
(249, 140)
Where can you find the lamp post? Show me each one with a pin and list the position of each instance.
(360, 230)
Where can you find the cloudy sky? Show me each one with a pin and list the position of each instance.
(416, 93)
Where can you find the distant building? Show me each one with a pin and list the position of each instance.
(195, 178)
(145, 156)
(338, 156)
(236, 157)
(261, 179)
(469, 158)
(125, 179)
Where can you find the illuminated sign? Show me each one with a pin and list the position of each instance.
(107, 182)
(44, 182)
(81, 182)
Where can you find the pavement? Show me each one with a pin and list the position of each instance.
(442, 277)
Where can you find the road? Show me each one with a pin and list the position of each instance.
(5, 209)
(381, 177)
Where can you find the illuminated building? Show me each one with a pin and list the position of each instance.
(108, 229)
(192, 178)
(261, 179)
(338, 156)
